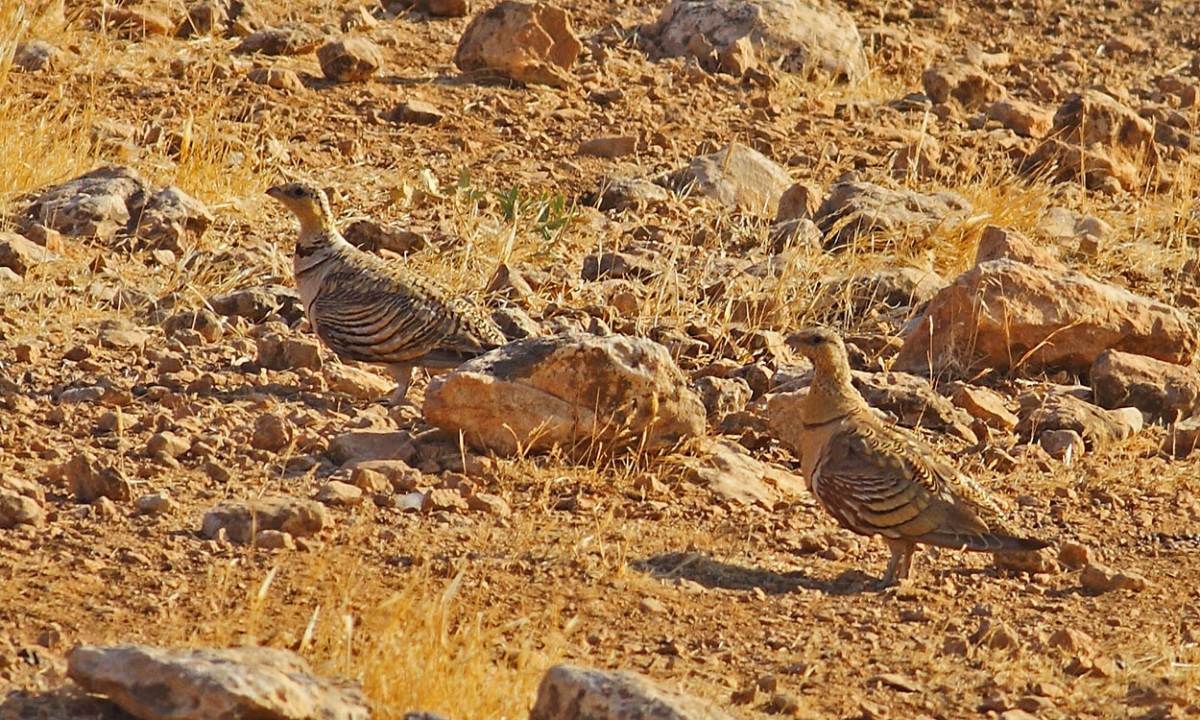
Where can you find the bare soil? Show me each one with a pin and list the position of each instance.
(617, 563)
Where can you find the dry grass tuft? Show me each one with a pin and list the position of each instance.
(44, 133)
(419, 648)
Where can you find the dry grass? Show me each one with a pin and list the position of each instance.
(422, 649)
(418, 646)
(44, 135)
(52, 130)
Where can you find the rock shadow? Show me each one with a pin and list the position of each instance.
(63, 703)
(711, 573)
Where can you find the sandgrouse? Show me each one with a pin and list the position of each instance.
(369, 310)
(876, 479)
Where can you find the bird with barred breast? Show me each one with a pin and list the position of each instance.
(877, 479)
(367, 309)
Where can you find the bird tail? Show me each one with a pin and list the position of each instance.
(1019, 544)
(986, 542)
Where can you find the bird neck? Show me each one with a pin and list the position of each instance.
(831, 395)
(313, 252)
(318, 232)
(320, 242)
(315, 219)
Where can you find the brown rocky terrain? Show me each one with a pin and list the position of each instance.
(995, 196)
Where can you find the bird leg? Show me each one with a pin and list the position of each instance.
(403, 376)
(900, 562)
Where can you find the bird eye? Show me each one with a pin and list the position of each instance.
(815, 340)
(297, 192)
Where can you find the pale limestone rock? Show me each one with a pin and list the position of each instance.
(1060, 411)
(969, 85)
(88, 479)
(356, 382)
(984, 404)
(608, 146)
(735, 176)
(361, 446)
(864, 213)
(799, 36)
(350, 59)
(35, 55)
(21, 254)
(1003, 315)
(19, 509)
(1161, 389)
(619, 194)
(896, 287)
(575, 391)
(732, 475)
(398, 475)
(200, 684)
(1182, 437)
(568, 692)
(95, 204)
(526, 42)
(1022, 117)
(997, 242)
(169, 217)
(722, 396)
(1097, 138)
(204, 17)
(259, 303)
(278, 78)
(339, 494)
(416, 112)
(242, 520)
(1102, 579)
(287, 39)
(914, 403)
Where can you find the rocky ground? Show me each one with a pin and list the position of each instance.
(991, 195)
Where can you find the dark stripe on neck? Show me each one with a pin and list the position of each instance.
(835, 418)
(308, 249)
(313, 266)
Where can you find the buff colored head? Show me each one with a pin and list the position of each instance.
(307, 202)
(831, 394)
(822, 346)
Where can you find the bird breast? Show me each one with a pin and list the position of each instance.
(310, 272)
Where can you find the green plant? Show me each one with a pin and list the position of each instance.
(550, 213)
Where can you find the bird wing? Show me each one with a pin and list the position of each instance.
(876, 479)
(373, 313)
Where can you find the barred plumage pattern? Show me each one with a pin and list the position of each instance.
(366, 309)
(876, 479)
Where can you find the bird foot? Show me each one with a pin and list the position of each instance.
(887, 584)
(398, 398)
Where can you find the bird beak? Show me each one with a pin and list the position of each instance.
(276, 192)
(793, 340)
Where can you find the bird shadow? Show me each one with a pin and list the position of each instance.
(710, 573)
(478, 77)
(487, 78)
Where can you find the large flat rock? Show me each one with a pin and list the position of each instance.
(572, 391)
(568, 692)
(201, 684)
(798, 35)
(1005, 315)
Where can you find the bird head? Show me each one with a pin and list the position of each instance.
(831, 394)
(307, 202)
(821, 345)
